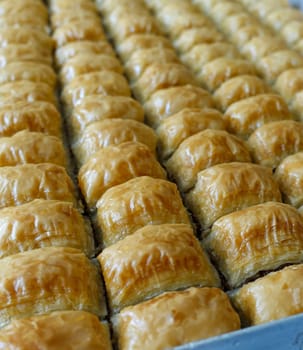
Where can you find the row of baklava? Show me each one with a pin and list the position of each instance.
(234, 240)
(150, 244)
(45, 242)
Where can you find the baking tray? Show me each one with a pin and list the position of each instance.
(284, 334)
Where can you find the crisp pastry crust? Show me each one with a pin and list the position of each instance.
(244, 117)
(289, 83)
(102, 83)
(201, 54)
(143, 58)
(237, 21)
(28, 35)
(166, 102)
(261, 46)
(159, 76)
(92, 109)
(282, 16)
(275, 296)
(154, 259)
(213, 74)
(248, 32)
(189, 121)
(74, 330)
(114, 165)
(225, 188)
(11, 9)
(110, 132)
(48, 279)
(164, 322)
(84, 63)
(78, 30)
(289, 176)
(56, 6)
(223, 9)
(43, 223)
(70, 50)
(299, 46)
(206, 5)
(292, 32)
(64, 16)
(31, 147)
(23, 183)
(297, 105)
(239, 88)
(29, 71)
(36, 116)
(142, 201)
(137, 42)
(130, 24)
(274, 141)
(272, 65)
(25, 53)
(121, 10)
(262, 9)
(203, 150)
(26, 91)
(194, 36)
(270, 236)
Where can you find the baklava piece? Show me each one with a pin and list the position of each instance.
(49, 279)
(296, 105)
(280, 17)
(142, 201)
(189, 121)
(292, 32)
(289, 83)
(236, 22)
(255, 239)
(114, 165)
(225, 188)
(274, 141)
(154, 259)
(74, 330)
(272, 297)
(203, 150)
(244, 117)
(164, 321)
(259, 47)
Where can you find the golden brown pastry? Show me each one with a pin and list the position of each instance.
(72, 49)
(250, 31)
(74, 330)
(236, 22)
(299, 46)
(244, 117)
(141, 201)
(64, 16)
(194, 36)
(26, 91)
(223, 9)
(154, 259)
(259, 47)
(142, 59)
(280, 17)
(289, 83)
(114, 165)
(262, 9)
(206, 5)
(292, 32)
(49, 279)
(29, 36)
(138, 42)
(297, 105)
(110, 132)
(135, 9)
(43, 223)
(159, 76)
(290, 179)
(239, 88)
(189, 121)
(272, 65)
(130, 24)
(11, 9)
(25, 53)
(201, 54)
(270, 236)
(165, 322)
(225, 188)
(28, 71)
(56, 6)
(213, 74)
(24, 183)
(203, 150)
(36, 116)
(92, 109)
(84, 63)
(275, 296)
(31, 147)
(76, 31)
(102, 83)
(166, 102)
(274, 141)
